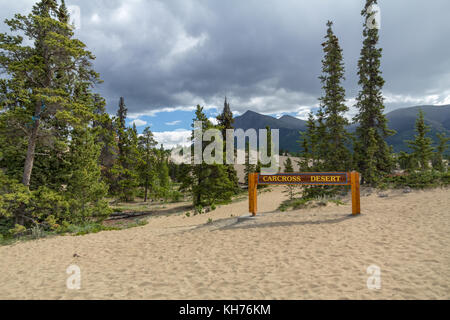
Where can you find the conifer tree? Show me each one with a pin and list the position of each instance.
(321, 136)
(43, 82)
(249, 168)
(332, 133)
(290, 189)
(125, 169)
(163, 174)
(372, 127)
(225, 121)
(406, 161)
(208, 183)
(309, 145)
(106, 135)
(84, 184)
(121, 126)
(438, 161)
(422, 145)
(41, 73)
(288, 168)
(269, 150)
(147, 168)
(269, 142)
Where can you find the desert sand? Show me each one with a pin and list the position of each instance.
(314, 253)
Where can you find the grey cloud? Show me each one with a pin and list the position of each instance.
(264, 55)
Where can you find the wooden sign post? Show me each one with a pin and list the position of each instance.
(309, 178)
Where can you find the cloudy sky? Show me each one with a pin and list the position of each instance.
(167, 56)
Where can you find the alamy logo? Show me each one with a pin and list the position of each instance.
(213, 152)
(75, 16)
(374, 281)
(374, 17)
(74, 280)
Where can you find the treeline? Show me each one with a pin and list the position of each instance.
(131, 164)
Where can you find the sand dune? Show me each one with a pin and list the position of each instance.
(317, 253)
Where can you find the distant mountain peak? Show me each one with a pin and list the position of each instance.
(286, 116)
(401, 120)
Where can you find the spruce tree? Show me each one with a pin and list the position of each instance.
(125, 170)
(372, 127)
(208, 183)
(438, 160)
(406, 161)
(422, 145)
(290, 189)
(333, 136)
(43, 82)
(309, 145)
(147, 167)
(269, 142)
(42, 75)
(121, 126)
(106, 135)
(163, 174)
(288, 168)
(225, 121)
(248, 168)
(84, 184)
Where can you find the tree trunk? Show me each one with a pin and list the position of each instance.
(29, 161)
(146, 189)
(30, 155)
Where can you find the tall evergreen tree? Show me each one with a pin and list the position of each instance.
(422, 145)
(333, 135)
(125, 170)
(43, 81)
(225, 122)
(84, 184)
(438, 160)
(106, 136)
(147, 168)
(290, 189)
(309, 145)
(372, 123)
(248, 168)
(208, 183)
(163, 174)
(121, 126)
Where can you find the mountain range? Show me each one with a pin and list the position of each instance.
(401, 120)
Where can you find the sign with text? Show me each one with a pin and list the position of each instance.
(309, 178)
(328, 178)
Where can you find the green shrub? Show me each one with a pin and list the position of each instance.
(176, 196)
(294, 204)
(85, 228)
(418, 179)
(198, 210)
(17, 230)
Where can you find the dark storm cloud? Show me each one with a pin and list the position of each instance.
(265, 55)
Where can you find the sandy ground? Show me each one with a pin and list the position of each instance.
(318, 253)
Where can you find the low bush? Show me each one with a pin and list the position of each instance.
(417, 180)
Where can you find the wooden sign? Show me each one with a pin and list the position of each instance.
(337, 178)
(309, 178)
